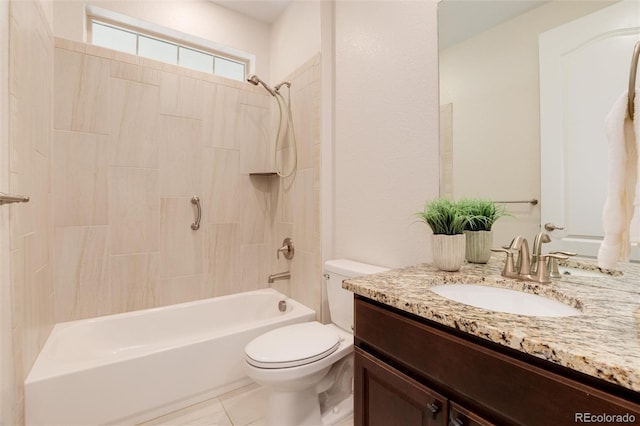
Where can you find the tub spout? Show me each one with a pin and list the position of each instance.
(279, 276)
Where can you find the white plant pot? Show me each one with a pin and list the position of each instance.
(478, 247)
(448, 251)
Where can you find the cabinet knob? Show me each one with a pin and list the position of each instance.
(434, 408)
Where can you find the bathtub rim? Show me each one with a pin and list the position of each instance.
(46, 367)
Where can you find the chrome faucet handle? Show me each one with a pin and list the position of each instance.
(287, 249)
(554, 272)
(509, 269)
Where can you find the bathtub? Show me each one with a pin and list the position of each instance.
(131, 367)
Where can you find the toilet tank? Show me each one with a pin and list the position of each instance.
(341, 300)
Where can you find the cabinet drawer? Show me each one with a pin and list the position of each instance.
(385, 396)
(506, 387)
(460, 416)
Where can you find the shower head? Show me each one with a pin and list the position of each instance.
(255, 80)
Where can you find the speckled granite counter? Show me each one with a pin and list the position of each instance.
(603, 342)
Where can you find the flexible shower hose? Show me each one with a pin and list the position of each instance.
(290, 130)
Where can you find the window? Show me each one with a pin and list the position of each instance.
(130, 41)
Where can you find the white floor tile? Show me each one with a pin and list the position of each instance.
(207, 413)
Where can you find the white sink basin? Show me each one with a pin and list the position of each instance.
(505, 300)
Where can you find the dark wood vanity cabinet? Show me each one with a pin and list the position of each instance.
(409, 371)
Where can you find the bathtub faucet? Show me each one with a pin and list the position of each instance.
(279, 276)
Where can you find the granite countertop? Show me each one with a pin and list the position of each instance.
(603, 342)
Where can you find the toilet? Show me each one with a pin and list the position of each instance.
(294, 362)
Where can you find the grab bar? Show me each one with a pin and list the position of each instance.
(8, 199)
(632, 78)
(196, 201)
(532, 201)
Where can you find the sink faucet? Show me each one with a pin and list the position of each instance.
(521, 244)
(523, 270)
(541, 237)
(279, 276)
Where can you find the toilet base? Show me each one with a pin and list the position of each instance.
(338, 413)
(296, 408)
(303, 409)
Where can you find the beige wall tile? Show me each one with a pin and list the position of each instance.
(132, 72)
(306, 212)
(180, 157)
(133, 124)
(257, 201)
(81, 92)
(181, 248)
(27, 312)
(221, 185)
(254, 273)
(180, 96)
(254, 139)
(306, 276)
(220, 123)
(81, 272)
(134, 210)
(42, 204)
(222, 257)
(133, 281)
(179, 289)
(79, 178)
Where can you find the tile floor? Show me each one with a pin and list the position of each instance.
(241, 407)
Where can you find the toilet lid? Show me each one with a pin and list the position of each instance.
(292, 346)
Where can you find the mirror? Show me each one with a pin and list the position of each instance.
(490, 104)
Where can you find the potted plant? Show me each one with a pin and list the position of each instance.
(481, 214)
(447, 222)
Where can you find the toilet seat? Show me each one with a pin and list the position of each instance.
(292, 346)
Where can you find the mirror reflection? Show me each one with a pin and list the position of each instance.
(491, 57)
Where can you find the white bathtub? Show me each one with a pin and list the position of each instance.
(127, 368)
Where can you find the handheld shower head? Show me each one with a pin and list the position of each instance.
(255, 80)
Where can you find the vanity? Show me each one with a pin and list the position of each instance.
(424, 359)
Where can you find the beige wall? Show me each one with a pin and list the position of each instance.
(386, 129)
(28, 314)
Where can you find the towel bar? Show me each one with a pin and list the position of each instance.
(632, 78)
(533, 202)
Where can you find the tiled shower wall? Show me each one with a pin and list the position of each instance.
(133, 141)
(28, 316)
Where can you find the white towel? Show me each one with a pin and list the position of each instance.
(634, 227)
(622, 185)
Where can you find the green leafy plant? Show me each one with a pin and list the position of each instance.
(444, 217)
(481, 213)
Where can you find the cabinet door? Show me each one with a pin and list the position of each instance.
(384, 396)
(460, 416)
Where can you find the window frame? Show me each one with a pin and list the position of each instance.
(167, 35)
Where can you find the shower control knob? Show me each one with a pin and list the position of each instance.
(287, 249)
